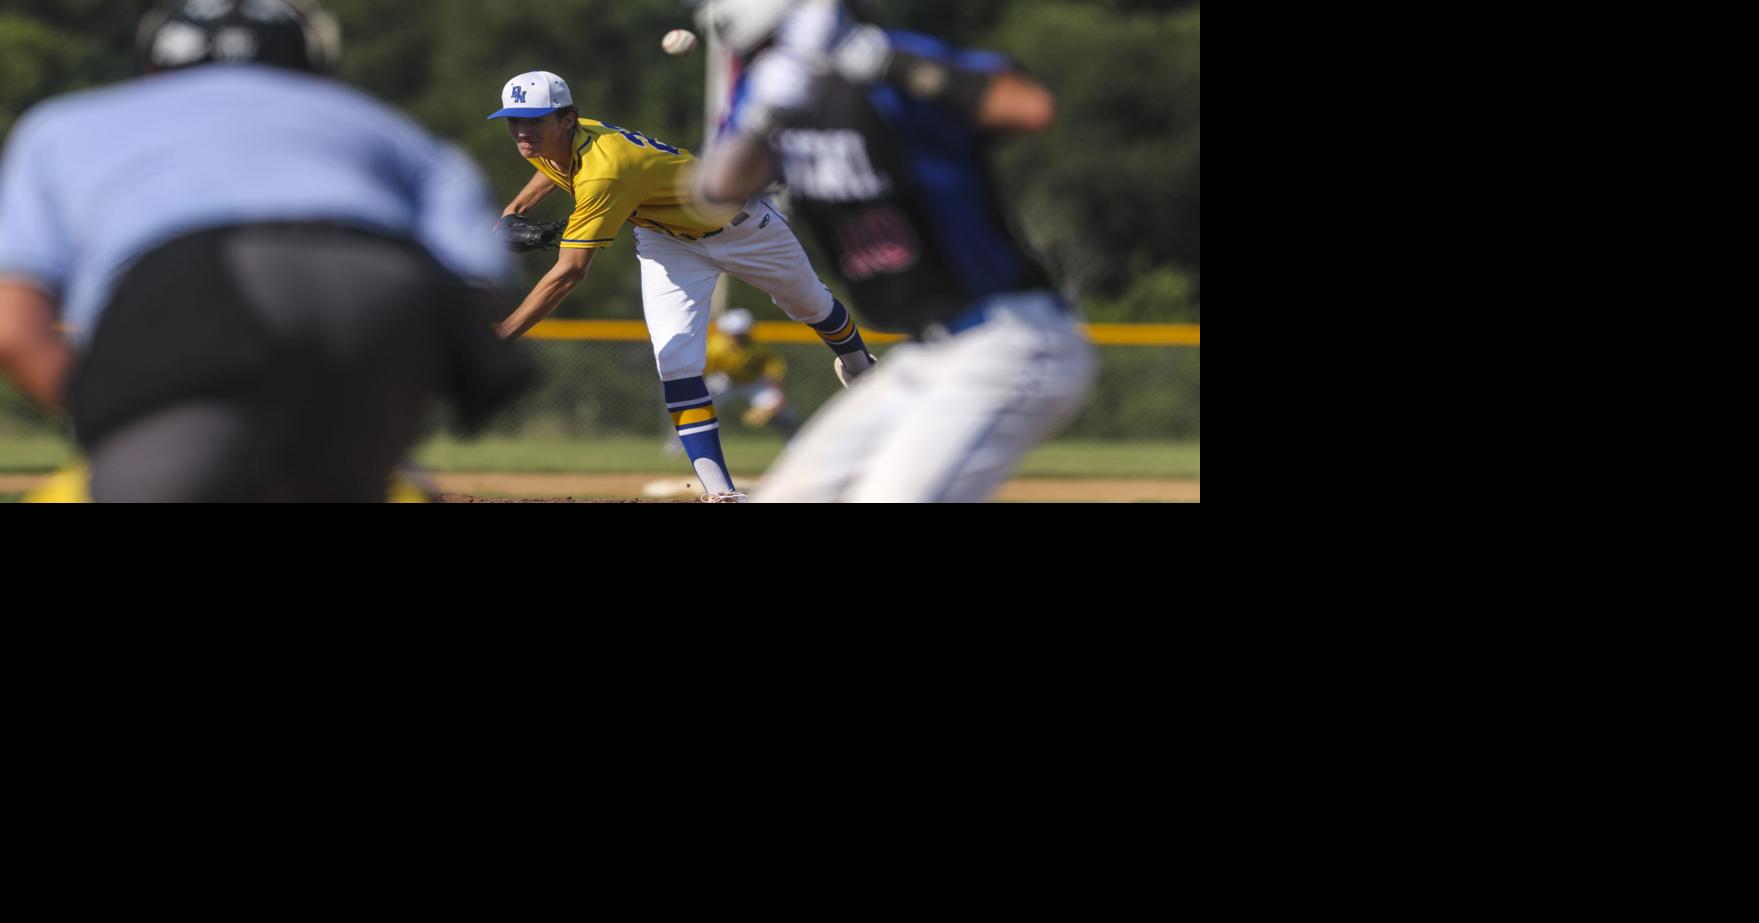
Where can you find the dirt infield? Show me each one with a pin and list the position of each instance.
(598, 486)
(626, 488)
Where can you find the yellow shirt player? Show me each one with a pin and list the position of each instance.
(619, 176)
(741, 370)
(732, 354)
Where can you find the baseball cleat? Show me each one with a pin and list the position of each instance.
(845, 376)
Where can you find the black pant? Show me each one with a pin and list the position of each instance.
(279, 362)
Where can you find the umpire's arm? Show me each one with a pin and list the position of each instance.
(36, 258)
(570, 269)
(32, 353)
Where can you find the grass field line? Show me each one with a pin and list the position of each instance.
(638, 455)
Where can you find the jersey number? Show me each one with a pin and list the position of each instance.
(876, 241)
(640, 140)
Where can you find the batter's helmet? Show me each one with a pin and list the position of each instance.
(742, 25)
(297, 34)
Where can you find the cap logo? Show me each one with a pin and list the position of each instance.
(519, 94)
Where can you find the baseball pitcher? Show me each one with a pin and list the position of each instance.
(617, 175)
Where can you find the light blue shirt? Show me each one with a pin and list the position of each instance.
(93, 181)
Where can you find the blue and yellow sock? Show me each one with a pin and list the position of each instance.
(693, 413)
(841, 334)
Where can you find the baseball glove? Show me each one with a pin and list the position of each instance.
(520, 233)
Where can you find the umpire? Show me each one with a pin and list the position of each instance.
(266, 279)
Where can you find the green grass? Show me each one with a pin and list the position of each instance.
(750, 454)
(1115, 460)
(11, 498)
(607, 455)
(30, 454)
(637, 455)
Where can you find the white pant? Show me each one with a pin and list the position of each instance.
(678, 283)
(945, 420)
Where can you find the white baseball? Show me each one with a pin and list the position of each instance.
(678, 41)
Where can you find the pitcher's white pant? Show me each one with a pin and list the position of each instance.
(944, 420)
(678, 283)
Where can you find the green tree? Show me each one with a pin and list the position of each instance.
(1115, 193)
(1112, 198)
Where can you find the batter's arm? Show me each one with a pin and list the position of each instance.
(1015, 104)
(981, 87)
(737, 168)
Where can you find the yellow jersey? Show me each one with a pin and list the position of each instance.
(620, 175)
(742, 364)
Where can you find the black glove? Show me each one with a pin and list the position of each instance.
(520, 233)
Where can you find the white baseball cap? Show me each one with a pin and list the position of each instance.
(528, 96)
(735, 322)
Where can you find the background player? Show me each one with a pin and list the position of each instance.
(742, 371)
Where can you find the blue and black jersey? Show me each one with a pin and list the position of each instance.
(900, 193)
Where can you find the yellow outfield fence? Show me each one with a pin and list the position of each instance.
(634, 331)
(599, 380)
